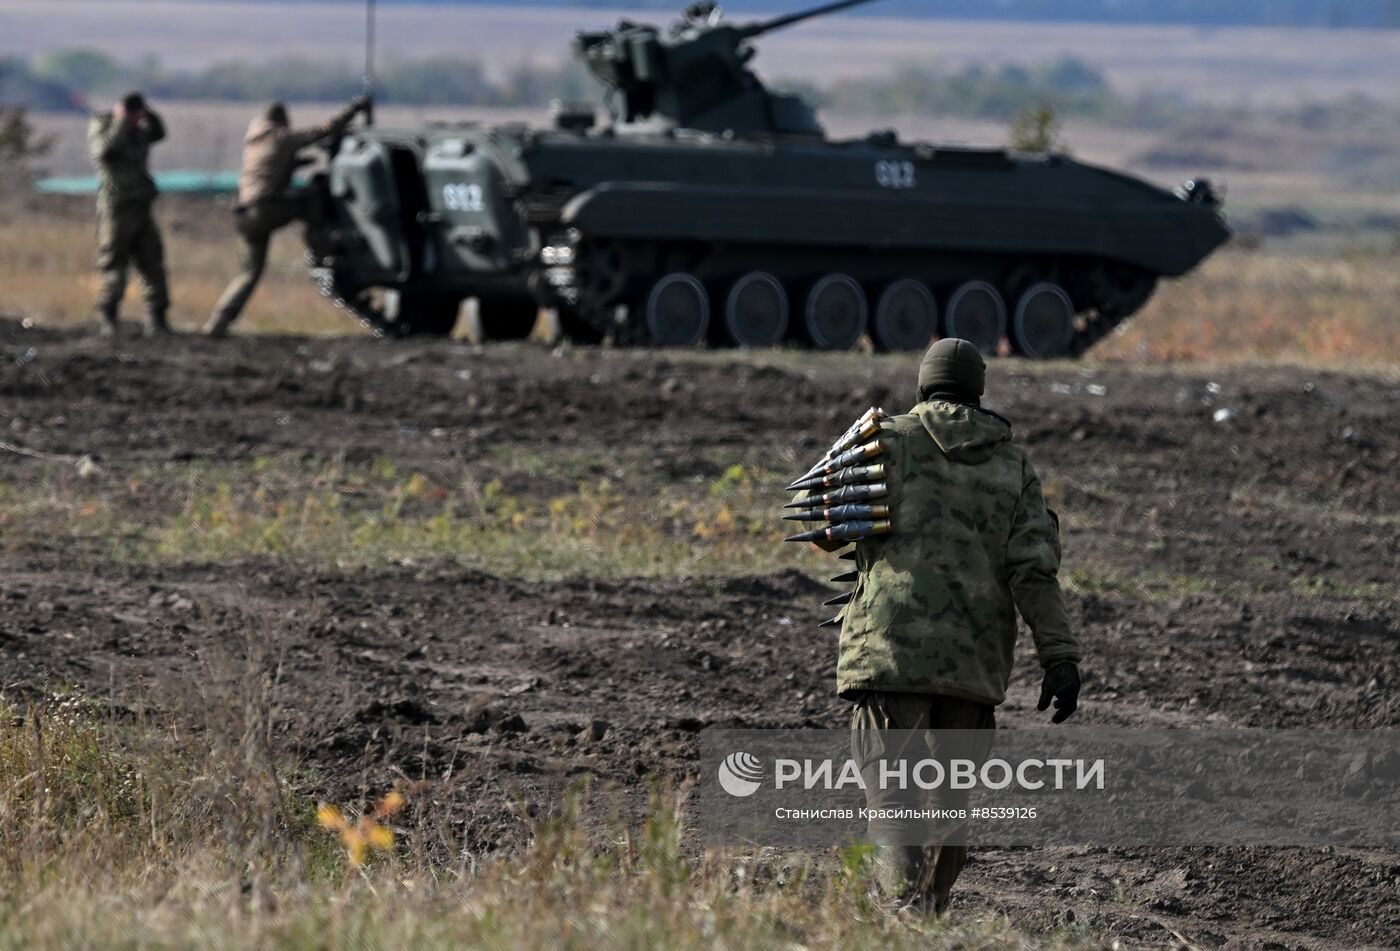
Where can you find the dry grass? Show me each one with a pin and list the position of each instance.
(1242, 305)
(1250, 305)
(120, 835)
(46, 269)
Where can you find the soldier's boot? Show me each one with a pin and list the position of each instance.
(942, 865)
(898, 869)
(219, 325)
(109, 325)
(159, 326)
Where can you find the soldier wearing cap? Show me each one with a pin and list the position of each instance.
(927, 639)
(120, 144)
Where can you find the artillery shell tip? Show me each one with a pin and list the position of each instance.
(839, 599)
(831, 622)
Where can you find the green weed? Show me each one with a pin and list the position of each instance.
(381, 514)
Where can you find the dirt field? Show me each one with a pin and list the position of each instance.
(1237, 572)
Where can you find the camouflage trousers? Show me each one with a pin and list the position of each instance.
(256, 224)
(128, 235)
(923, 874)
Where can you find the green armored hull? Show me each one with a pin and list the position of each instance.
(681, 223)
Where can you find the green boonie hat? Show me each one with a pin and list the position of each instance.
(952, 369)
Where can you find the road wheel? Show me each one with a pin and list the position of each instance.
(507, 318)
(677, 311)
(977, 314)
(756, 311)
(836, 313)
(1043, 325)
(418, 313)
(906, 317)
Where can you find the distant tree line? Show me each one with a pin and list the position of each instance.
(1069, 85)
(51, 80)
(19, 86)
(56, 80)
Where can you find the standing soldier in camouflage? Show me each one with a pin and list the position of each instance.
(928, 637)
(120, 144)
(266, 199)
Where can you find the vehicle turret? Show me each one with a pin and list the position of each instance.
(696, 75)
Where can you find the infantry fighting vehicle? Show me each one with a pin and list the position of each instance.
(710, 207)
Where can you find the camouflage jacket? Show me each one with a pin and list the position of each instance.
(270, 154)
(934, 609)
(120, 150)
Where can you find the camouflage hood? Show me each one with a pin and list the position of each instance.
(966, 434)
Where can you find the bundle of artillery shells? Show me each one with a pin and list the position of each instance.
(855, 475)
(862, 430)
(844, 532)
(860, 492)
(851, 487)
(841, 513)
(850, 492)
(854, 456)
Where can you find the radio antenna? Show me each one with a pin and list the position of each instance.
(369, 61)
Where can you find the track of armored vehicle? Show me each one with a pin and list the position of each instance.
(711, 208)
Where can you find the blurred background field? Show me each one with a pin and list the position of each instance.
(1339, 304)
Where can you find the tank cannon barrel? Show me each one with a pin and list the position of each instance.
(751, 30)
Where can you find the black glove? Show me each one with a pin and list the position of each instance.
(1061, 682)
